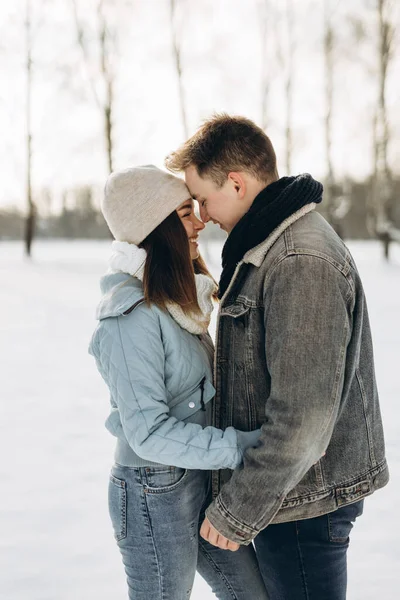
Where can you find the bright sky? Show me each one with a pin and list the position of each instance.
(222, 66)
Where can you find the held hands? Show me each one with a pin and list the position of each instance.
(211, 535)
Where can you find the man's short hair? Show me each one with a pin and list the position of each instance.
(224, 144)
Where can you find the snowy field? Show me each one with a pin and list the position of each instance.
(56, 541)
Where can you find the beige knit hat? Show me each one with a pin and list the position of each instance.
(138, 199)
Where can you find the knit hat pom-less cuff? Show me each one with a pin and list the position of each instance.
(138, 199)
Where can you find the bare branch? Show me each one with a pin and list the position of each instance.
(82, 44)
(289, 85)
(328, 58)
(178, 64)
(109, 84)
(265, 80)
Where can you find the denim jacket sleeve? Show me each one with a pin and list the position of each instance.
(134, 369)
(307, 321)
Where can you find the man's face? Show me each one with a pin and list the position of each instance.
(219, 205)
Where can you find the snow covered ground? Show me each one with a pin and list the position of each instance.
(56, 541)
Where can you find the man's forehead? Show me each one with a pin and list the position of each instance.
(196, 186)
(196, 190)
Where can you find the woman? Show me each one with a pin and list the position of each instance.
(153, 350)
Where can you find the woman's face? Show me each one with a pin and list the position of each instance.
(192, 225)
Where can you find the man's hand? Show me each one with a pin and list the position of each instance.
(211, 535)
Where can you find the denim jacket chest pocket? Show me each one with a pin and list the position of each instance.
(244, 326)
(237, 310)
(242, 339)
(236, 324)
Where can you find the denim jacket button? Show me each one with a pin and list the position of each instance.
(240, 534)
(191, 405)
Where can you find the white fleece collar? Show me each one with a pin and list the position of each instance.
(256, 255)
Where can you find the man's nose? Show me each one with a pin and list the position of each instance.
(203, 214)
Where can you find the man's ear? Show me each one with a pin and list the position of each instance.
(238, 183)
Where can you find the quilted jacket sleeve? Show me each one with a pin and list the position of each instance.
(134, 371)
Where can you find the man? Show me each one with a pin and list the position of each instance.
(294, 356)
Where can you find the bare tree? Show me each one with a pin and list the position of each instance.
(382, 183)
(265, 71)
(31, 214)
(289, 84)
(177, 54)
(337, 204)
(328, 64)
(272, 59)
(105, 68)
(278, 46)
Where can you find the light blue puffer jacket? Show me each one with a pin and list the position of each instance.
(158, 375)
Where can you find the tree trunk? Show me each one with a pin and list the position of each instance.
(178, 66)
(328, 60)
(383, 184)
(30, 218)
(289, 86)
(29, 232)
(386, 245)
(264, 68)
(108, 79)
(109, 87)
(108, 132)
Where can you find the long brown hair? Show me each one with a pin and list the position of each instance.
(169, 270)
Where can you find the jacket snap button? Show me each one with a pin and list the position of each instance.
(191, 405)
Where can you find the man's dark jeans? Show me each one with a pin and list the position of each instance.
(307, 560)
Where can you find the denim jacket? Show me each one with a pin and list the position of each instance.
(294, 356)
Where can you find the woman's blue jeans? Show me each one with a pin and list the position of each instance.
(156, 514)
(307, 560)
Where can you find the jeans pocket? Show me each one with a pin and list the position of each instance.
(340, 522)
(159, 480)
(117, 506)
